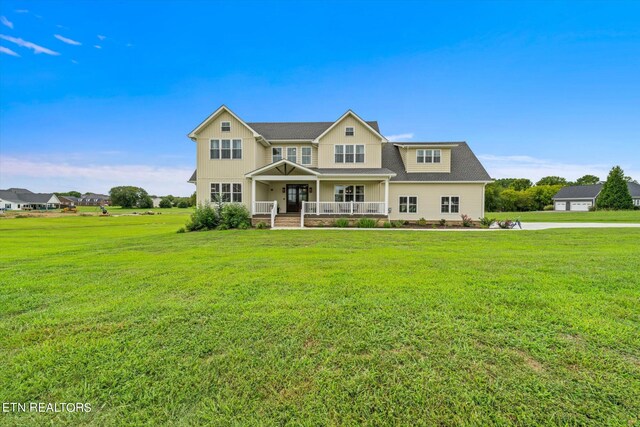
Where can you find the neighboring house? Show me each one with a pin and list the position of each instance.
(340, 168)
(93, 199)
(582, 197)
(156, 201)
(69, 201)
(23, 199)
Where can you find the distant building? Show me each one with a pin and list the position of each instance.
(22, 199)
(68, 201)
(156, 201)
(93, 199)
(583, 197)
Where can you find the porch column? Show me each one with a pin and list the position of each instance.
(317, 196)
(386, 197)
(253, 196)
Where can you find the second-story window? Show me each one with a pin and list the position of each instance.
(226, 149)
(428, 156)
(305, 155)
(237, 149)
(349, 153)
(349, 131)
(292, 154)
(276, 154)
(225, 126)
(215, 149)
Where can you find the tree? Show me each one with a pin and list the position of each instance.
(165, 203)
(145, 202)
(492, 202)
(587, 180)
(520, 184)
(615, 192)
(70, 193)
(129, 196)
(192, 199)
(542, 195)
(513, 200)
(552, 180)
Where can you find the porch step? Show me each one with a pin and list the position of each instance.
(287, 221)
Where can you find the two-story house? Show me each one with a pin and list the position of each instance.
(341, 168)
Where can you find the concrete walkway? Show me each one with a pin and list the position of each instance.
(526, 226)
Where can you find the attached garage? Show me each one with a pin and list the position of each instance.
(560, 206)
(580, 206)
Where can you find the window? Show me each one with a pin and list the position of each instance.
(237, 149)
(428, 156)
(292, 154)
(225, 151)
(349, 193)
(225, 126)
(408, 204)
(306, 155)
(349, 153)
(339, 153)
(226, 192)
(276, 154)
(215, 149)
(349, 131)
(359, 153)
(450, 204)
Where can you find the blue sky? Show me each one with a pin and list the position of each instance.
(96, 94)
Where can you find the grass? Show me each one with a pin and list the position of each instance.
(552, 216)
(317, 327)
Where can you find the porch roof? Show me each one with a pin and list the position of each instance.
(285, 167)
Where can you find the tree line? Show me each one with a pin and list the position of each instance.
(521, 194)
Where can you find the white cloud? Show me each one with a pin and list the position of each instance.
(73, 61)
(522, 166)
(101, 37)
(43, 175)
(7, 51)
(6, 22)
(97, 46)
(400, 137)
(28, 45)
(66, 40)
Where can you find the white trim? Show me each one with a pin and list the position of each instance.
(295, 150)
(310, 156)
(364, 197)
(353, 131)
(281, 153)
(194, 133)
(278, 163)
(290, 178)
(441, 182)
(231, 148)
(222, 125)
(349, 112)
(433, 156)
(355, 152)
(427, 145)
(231, 192)
(408, 203)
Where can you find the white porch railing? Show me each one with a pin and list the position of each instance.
(342, 208)
(274, 212)
(262, 208)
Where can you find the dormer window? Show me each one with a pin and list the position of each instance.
(428, 156)
(349, 131)
(225, 126)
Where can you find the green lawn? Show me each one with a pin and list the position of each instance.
(318, 327)
(551, 216)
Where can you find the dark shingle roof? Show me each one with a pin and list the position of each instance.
(24, 196)
(295, 130)
(465, 166)
(591, 191)
(194, 176)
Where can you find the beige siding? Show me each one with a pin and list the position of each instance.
(275, 192)
(471, 200)
(268, 158)
(409, 157)
(226, 170)
(336, 136)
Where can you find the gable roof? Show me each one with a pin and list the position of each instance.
(303, 131)
(591, 191)
(465, 166)
(194, 177)
(194, 133)
(284, 162)
(22, 195)
(354, 115)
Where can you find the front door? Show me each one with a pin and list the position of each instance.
(296, 194)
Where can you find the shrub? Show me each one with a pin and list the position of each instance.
(145, 202)
(261, 225)
(548, 208)
(466, 220)
(422, 222)
(486, 222)
(386, 224)
(205, 217)
(235, 215)
(443, 222)
(181, 230)
(342, 222)
(366, 223)
(183, 204)
(398, 224)
(165, 203)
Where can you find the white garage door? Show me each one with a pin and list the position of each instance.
(580, 206)
(561, 206)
